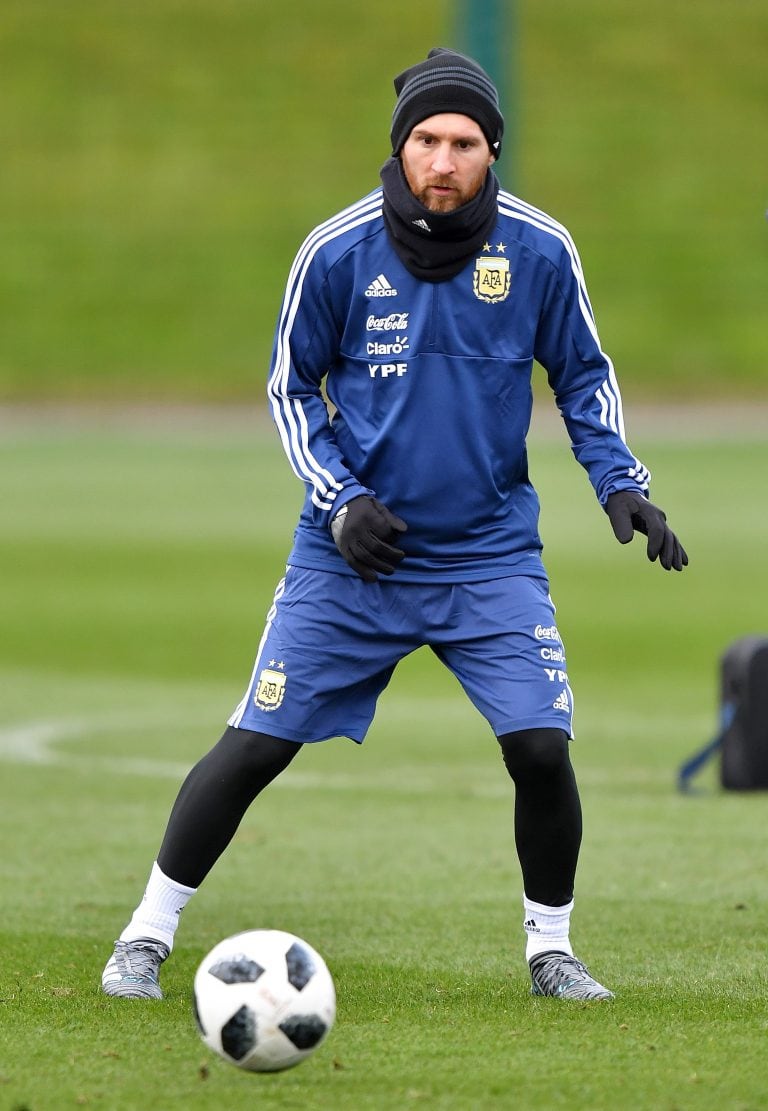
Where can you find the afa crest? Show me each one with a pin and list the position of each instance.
(491, 279)
(270, 689)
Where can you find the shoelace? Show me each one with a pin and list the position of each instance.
(137, 960)
(549, 968)
(559, 972)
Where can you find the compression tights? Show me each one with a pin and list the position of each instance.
(547, 812)
(219, 789)
(214, 798)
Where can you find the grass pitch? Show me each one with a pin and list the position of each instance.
(137, 564)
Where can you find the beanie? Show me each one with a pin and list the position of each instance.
(446, 82)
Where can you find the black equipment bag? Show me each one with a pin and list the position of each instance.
(744, 676)
(742, 740)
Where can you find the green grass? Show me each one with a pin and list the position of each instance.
(163, 161)
(138, 560)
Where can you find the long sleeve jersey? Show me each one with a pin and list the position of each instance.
(420, 393)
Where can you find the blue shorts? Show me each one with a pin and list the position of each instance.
(331, 643)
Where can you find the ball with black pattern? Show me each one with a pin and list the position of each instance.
(264, 1000)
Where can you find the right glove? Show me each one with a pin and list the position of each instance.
(629, 512)
(364, 531)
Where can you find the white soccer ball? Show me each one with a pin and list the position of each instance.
(264, 1000)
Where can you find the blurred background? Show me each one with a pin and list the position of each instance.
(163, 159)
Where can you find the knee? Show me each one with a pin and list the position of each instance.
(246, 753)
(535, 753)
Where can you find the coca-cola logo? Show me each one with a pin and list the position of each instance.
(395, 322)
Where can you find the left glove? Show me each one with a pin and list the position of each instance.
(365, 532)
(629, 513)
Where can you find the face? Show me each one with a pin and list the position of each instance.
(445, 160)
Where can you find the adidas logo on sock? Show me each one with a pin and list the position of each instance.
(530, 926)
(561, 702)
(380, 287)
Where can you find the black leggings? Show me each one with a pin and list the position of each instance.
(214, 798)
(547, 812)
(219, 789)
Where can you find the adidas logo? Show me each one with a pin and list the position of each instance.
(531, 927)
(380, 287)
(561, 702)
(421, 224)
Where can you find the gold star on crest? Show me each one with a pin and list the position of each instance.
(486, 246)
(501, 248)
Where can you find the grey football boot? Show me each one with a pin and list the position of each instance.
(564, 977)
(133, 969)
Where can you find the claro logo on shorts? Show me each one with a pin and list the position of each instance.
(546, 632)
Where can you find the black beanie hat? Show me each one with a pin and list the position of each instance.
(446, 82)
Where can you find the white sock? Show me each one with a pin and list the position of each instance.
(547, 928)
(157, 915)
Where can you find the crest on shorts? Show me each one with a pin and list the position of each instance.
(270, 689)
(491, 279)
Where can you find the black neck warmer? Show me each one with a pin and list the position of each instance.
(435, 246)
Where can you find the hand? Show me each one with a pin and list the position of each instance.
(630, 513)
(364, 531)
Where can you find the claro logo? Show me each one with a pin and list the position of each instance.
(397, 347)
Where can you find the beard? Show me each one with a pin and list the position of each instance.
(454, 200)
(439, 204)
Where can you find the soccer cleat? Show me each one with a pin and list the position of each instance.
(565, 977)
(132, 970)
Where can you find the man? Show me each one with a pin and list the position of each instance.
(422, 309)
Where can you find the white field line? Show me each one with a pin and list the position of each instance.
(37, 742)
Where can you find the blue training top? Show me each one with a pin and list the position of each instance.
(420, 393)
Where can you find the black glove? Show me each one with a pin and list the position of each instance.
(364, 531)
(630, 512)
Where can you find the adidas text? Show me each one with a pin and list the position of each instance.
(380, 287)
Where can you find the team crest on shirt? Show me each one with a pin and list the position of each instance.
(491, 279)
(270, 689)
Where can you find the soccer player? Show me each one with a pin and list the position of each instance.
(421, 309)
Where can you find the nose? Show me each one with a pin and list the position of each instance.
(442, 161)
